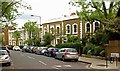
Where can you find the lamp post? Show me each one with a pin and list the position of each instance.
(40, 24)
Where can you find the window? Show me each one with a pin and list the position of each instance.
(52, 30)
(88, 27)
(75, 29)
(58, 30)
(96, 26)
(68, 29)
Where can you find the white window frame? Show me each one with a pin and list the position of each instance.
(59, 29)
(86, 27)
(94, 25)
(74, 28)
(67, 29)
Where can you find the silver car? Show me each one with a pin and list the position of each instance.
(40, 50)
(4, 57)
(67, 54)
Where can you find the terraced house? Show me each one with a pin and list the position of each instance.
(12, 40)
(68, 25)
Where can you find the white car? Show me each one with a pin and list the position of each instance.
(16, 48)
(4, 57)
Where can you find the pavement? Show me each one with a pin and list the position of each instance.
(99, 63)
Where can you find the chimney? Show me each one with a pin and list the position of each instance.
(73, 14)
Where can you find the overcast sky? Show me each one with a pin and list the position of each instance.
(47, 9)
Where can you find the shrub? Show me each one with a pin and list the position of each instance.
(102, 53)
(87, 48)
(97, 50)
(77, 46)
(89, 52)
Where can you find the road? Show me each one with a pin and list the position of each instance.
(22, 60)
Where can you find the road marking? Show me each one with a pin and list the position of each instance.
(58, 66)
(22, 55)
(43, 63)
(67, 65)
(55, 68)
(30, 57)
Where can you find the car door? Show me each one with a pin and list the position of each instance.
(61, 53)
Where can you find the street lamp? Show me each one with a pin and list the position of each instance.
(37, 16)
(40, 24)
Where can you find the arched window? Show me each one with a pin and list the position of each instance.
(96, 26)
(88, 27)
(75, 28)
(68, 29)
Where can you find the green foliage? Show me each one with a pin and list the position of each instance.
(87, 48)
(48, 38)
(72, 39)
(91, 49)
(29, 42)
(109, 17)
(77, 46)
(102, 53)
(16, 35)
(1, 40)
(33, 32)
(9, 9)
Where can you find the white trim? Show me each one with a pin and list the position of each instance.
(69, 28)
(86, 27)
(56, 29)
(74, 28)
(81, 29)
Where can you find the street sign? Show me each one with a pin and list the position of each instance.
(114, 54)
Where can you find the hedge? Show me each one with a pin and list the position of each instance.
(77, 46)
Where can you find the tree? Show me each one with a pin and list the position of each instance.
(73, 39)
(16, 35)
(33, 32)
(1, 40)
(48, 38)
(109, 17)
(9, 10)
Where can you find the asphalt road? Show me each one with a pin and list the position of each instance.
(22, 60)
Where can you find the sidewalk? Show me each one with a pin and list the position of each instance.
(98, 63)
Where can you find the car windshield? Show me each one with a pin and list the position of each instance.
(3, 53)
(71, 50)
(16, 47)
(3, 48)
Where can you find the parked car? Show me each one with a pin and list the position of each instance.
(16, 48)
(10, 47)
(30, 49)
(5, 48)
(67, 54)
(24, 49)
(34, 49)
(40, 50)
(5, 58)
(51, 52)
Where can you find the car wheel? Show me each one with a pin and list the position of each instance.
(55, 56)
(63, 58)
(9, 63)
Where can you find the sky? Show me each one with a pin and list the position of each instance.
(47, 9)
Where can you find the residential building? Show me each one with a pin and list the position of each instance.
(68, 25)
(12, 40)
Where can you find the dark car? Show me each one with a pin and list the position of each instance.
(51, 52)
(25, 48)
